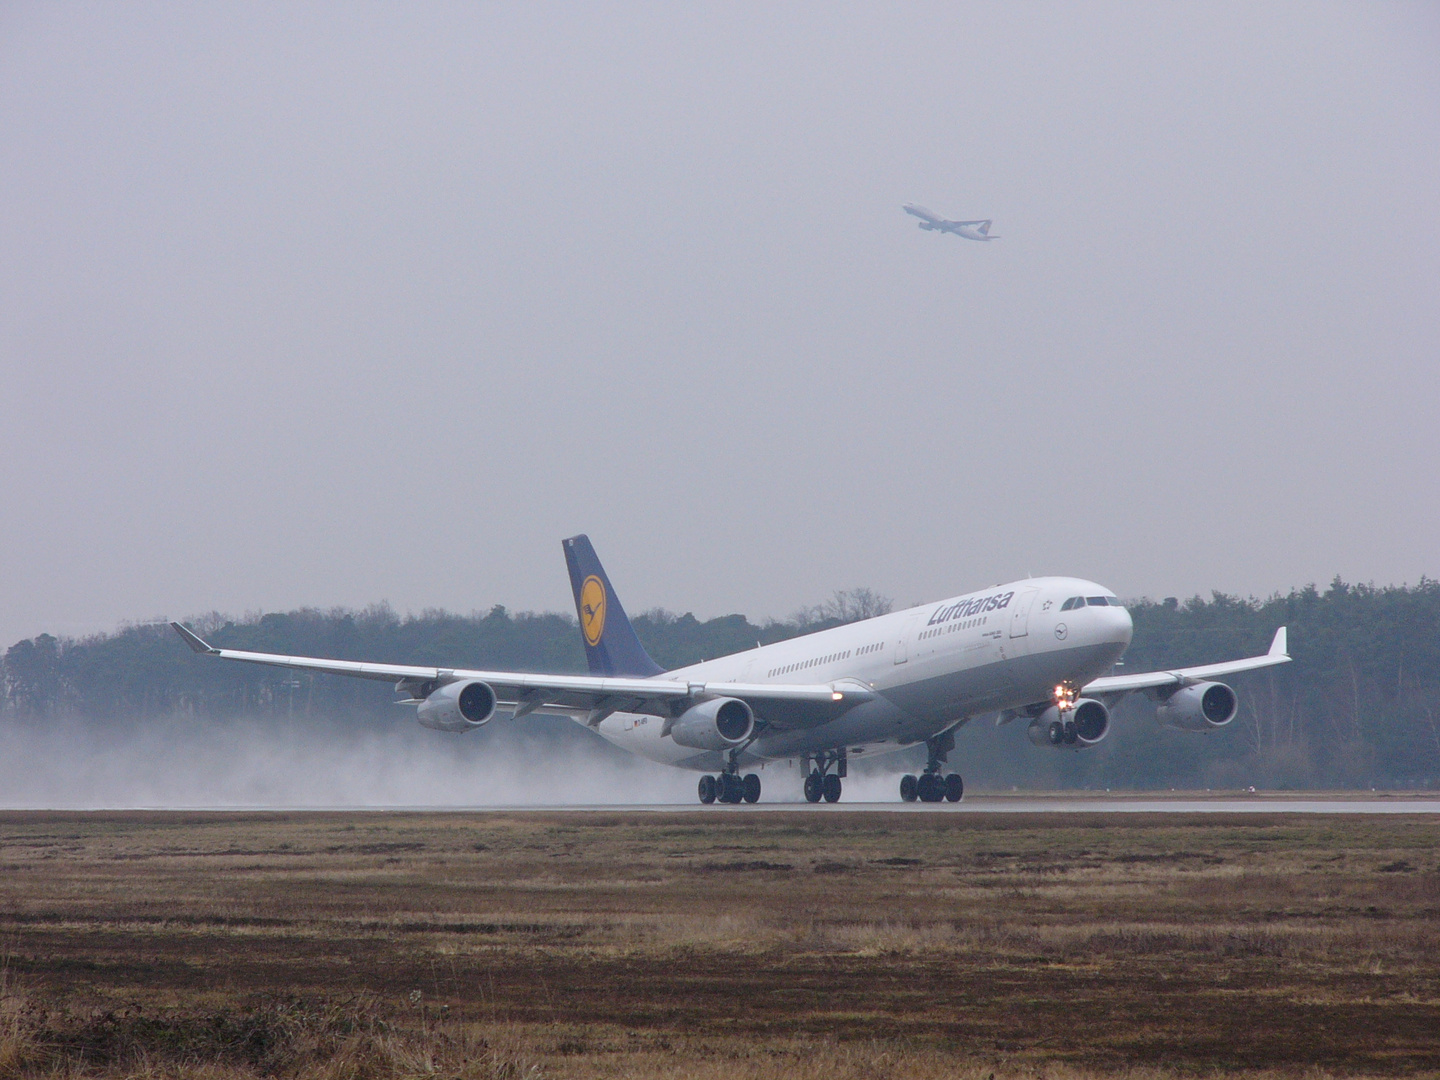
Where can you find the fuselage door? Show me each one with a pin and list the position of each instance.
(902, 646)
(1020, 613)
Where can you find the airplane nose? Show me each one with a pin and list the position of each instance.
(1123, 627)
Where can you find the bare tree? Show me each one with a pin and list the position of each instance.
(846, 606)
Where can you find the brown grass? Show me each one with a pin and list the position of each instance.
(360, 946)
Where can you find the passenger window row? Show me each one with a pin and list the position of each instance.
(963, 624)
(816, 662)
(788, 668)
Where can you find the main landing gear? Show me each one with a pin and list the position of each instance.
(820, 782)
(932, 786)
(730, 787)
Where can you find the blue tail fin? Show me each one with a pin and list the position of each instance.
(611, 646)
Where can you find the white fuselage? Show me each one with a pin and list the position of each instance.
(932, 222)
(931, 667)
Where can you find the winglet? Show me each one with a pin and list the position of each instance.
(1280, 645)
(194, 640)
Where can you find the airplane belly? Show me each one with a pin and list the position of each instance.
(939, 690)
(946, 697)
(1040, 672)
(639, 734)
(875, 722)
(999, 672)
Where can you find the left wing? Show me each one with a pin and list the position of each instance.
(1120, 684)
(592, 697)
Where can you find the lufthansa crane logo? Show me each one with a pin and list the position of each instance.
(592, 609)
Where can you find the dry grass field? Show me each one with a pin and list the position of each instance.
(717, 944)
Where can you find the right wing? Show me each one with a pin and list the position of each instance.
(591, 697)
(1121, 684)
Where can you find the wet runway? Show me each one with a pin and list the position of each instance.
(1060, 803)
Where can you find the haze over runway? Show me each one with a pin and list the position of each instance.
(325, 304)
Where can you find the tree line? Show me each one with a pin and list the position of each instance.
(1358, 707)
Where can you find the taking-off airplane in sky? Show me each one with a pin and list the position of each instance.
(1039, 651)
(970, 230)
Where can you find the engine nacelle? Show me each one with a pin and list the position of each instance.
(1083, 725)
(1202, 707)
(457, 706)
(717, 724)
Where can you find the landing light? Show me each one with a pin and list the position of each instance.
(836, 695)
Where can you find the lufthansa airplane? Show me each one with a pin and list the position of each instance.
(1038, 650)
(970, 230)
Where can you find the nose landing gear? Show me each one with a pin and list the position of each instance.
(1062, 734)
(931, 786)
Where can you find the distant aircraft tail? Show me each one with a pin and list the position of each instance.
(611, 646)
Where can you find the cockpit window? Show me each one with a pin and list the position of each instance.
(1068, 604)
(1097, 601)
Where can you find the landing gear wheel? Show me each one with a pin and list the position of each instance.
(929, 788)
(814, 787)
(734, 788)
(751, 788)
(1070, 733)
(832, 787)
(707, 790)
(907, 788)
(954, 788)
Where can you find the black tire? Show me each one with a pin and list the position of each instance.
(1070, 734)
(1056, 733)
(954, 788)
(814, 787)
(751, 788)
(907, 788)
(734, 788)
(925, 788)
(707, 790)
(832, 787)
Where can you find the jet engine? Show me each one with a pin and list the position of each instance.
(1201, 707)
(1084, 724)
(457, 706)
(717, 724)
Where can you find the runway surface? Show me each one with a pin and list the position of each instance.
(1058, 805)
(1062, 803)
(1053, 805)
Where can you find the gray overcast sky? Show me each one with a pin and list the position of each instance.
(317, 305)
